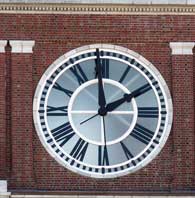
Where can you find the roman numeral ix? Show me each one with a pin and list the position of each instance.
(57, 111)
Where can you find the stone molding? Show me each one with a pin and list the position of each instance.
(20, 46)
(182, 48)
(125, 9)
(93, 196)
(3, 43)
(169, 2)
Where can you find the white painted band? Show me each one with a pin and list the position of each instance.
(95, 196)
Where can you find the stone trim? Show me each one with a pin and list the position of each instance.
(5, 195)
(3, 186)
(125, 9)
(3, 43)
(92, 196)
(169, 2)
(20, 46)
(182, 48)
(3, 189)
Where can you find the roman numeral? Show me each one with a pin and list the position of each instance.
(79, 150)
(124, 74)
(105, 68)
(128, 154)
(141, 90)
(63, 133)
(57, 111)
(142, 134)
(79, 74)
(60, 88)
(148, 112)
(103, 156)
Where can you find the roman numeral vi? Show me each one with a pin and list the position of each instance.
(103, 156)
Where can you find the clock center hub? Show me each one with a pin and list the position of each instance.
(102, 111)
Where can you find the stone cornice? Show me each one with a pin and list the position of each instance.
(26, 8)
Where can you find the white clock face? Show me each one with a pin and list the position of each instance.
(102, 112)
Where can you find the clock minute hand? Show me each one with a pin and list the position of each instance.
(101, 95)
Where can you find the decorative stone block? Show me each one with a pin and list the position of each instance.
(2, 45)
(22, 46)
(182, 48)
(3, 186)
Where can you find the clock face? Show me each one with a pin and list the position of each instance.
(102, 111)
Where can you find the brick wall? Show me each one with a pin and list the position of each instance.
(30, 166)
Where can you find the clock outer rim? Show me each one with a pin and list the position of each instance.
(118, 49)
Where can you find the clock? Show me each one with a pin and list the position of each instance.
(102, 111)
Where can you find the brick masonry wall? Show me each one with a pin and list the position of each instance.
(31, 166)
(183, 126)
(2, 115)
(21, 120)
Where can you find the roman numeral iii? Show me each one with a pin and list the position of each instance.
(148, 112)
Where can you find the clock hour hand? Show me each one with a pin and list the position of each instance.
(101, 94)
(113, 105)
(128, 97)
